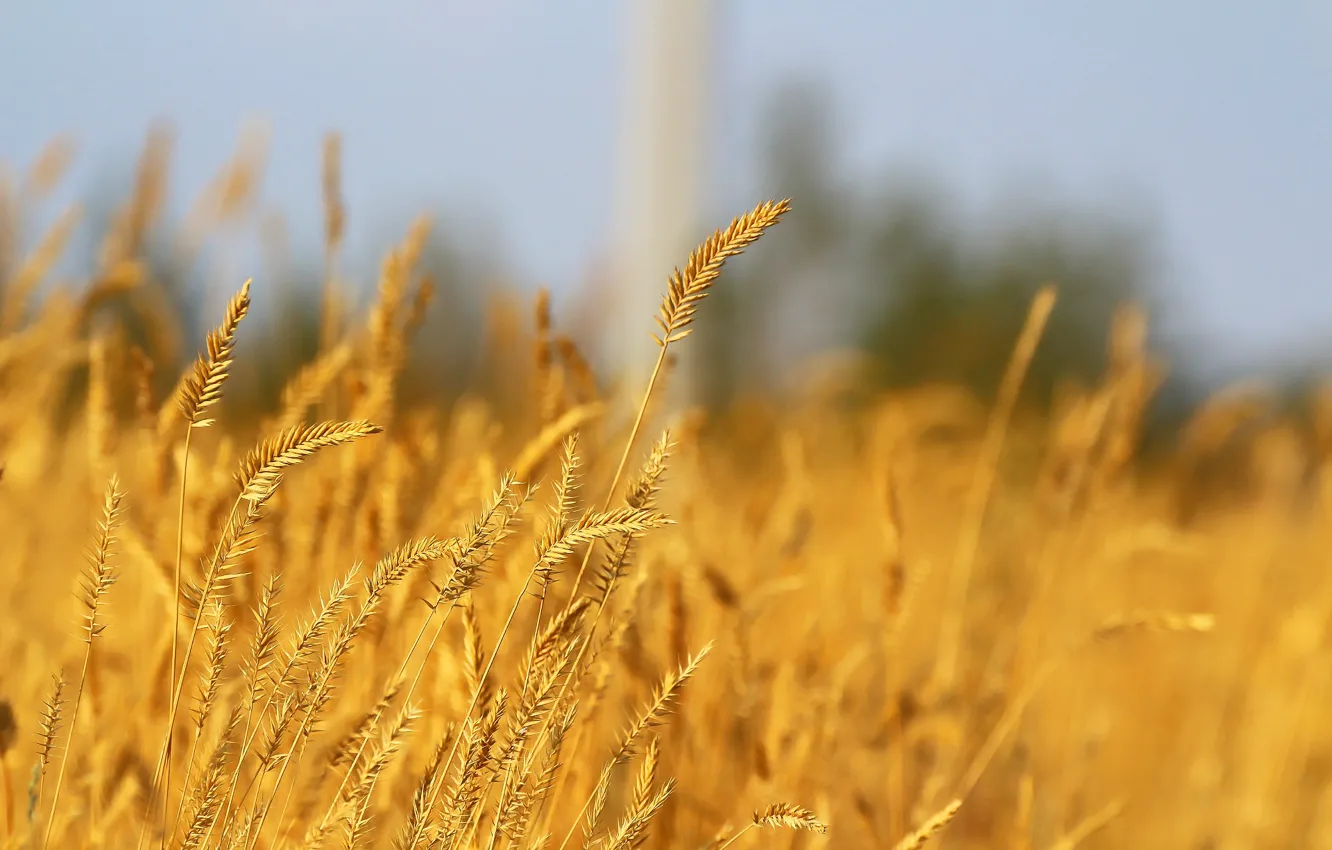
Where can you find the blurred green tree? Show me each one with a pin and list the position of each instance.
(946, 305)
(898, 275)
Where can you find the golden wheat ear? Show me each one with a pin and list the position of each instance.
(199, 389)
(53, 708)
(262, 468)
(775, 816)
(930, 828)
(97, 579)
(684, 292)
(789, 816)
(689, 287)
(202, 386)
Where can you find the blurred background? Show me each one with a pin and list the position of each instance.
(945, 159)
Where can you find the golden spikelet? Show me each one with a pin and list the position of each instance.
(662, 704)
(264, 641)
(687, 288)
(474, 653)
(357, 825)
(48, 728)
(100, 575)
(1159, 621)
(789, 816)
(647, 776)
(97, 580)
(930, 828)
(262, 468)
(597, 525)
(210, 685)
(632, 830)
(201, 388)
(206, 799)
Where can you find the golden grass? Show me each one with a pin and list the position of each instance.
(356, 623)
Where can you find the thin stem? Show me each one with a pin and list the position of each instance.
(175, 634)
(508, 772)
(582, 813)
(69, 742)
(982, 484)
(624, 462)
(175, 620)
(163, 761)
(185, 785)
(736, 837)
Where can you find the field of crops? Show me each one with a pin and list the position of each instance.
(360, 621)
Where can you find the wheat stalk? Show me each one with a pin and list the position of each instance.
(97, 580)
(198, 391)
(684, 293)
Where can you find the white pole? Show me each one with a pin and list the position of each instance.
(662, 172)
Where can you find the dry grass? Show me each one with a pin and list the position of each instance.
(404, 627)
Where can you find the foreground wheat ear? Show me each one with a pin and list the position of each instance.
(685, 291)
(199, 390)
(689, 287)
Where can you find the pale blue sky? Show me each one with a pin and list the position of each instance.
(1215, 116)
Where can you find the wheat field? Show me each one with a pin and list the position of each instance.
(358, 622)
